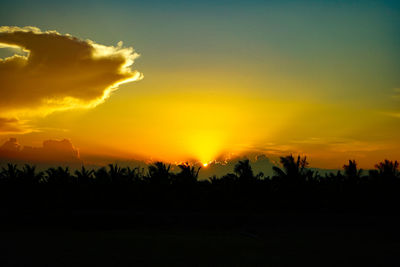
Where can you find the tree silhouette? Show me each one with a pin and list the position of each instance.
(293, 169)
(84, 176)
(101, 176)
(29, 175)
(388, 168)
(10, 173)
(58, 175)
(293, 185)
(135, 175)
(387, 171)
(243, 169)
(244, 172)
(116, 173)
(158, 173)
(351, 171)
(187, 175)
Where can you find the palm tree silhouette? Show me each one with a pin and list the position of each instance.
(158, 173)
(388, 167)
(293, 169)
(134, 175)
(351, 171)
(101, 176)
(30, 176)
(214, 180)
(84, 176)
(10, 173)
(244, 172)
(243, 169)
(388, 170)
(116, 173)
(187, 175)
(58, 175)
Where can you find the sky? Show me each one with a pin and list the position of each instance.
(204, 80)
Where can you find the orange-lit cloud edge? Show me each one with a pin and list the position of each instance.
(58, 73)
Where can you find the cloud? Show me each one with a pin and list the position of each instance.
(52, 151)
(12, 125)
(11, 145)
(59, 72)
(393, 114)
(396, 97)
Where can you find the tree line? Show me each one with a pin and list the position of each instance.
(293, 185)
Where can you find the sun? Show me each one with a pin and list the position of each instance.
(205, 164)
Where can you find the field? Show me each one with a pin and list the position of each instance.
(199, 239)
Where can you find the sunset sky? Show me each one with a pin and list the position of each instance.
(204, 80)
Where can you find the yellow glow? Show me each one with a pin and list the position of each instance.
(200, 122)
(199, 107)
(171, 127)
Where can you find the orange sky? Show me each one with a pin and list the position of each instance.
(278, 90)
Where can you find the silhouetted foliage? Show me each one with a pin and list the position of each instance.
(135, 175)
(58, 175)
(187, 175)
(117, 174)
(293, 169)
(294, 174)
(245, 173)
(388, 170)
(293, 185)
(10, 173)
(84, 176)
(158, 173)
(351, 171)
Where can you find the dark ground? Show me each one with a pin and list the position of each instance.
(200, 239)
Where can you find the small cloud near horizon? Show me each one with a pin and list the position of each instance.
(52, 151)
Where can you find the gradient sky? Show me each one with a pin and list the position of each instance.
(320, 78)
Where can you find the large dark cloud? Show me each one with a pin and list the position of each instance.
(59, 72)
(52, 151)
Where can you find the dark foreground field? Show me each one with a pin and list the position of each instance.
(201, 239)
(127, 217)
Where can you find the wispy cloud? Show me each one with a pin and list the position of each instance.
(13, 125)
(393, 114)
(395, 95)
